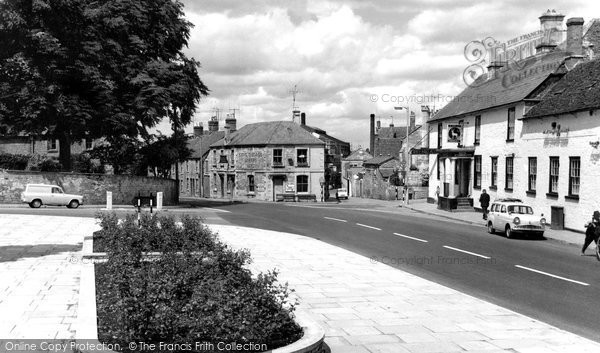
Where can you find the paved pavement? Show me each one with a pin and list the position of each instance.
(366, 306)
(39, 275)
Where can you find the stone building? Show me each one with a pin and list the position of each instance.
(524, 131)
(194, 180)
(26, 144)
(353, 171)
(378, 180)
(335, 151)
(267, 161)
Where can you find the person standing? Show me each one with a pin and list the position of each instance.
(484, 201)
(592, 232)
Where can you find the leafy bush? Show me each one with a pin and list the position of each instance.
(198, 290)
(13, 161)
(84, 163)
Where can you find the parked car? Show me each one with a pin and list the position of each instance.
(342, 193)
(513, 216)
(37, 195)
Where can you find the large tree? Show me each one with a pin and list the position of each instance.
(74, 69)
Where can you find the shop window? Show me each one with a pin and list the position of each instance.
(302, 183)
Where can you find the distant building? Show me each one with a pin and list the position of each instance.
(28, 144)
(267, 161)
(194, 179)
(335, 150)
(353, 170)
(379, 178)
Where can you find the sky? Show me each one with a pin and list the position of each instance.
(348, 59)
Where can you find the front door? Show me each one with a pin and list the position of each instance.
(464, 177)
(222, 180)
(277, 186)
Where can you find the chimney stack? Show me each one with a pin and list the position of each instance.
(551, 26)
(372, 134)
(303, 119)
(413, 118)
(198, 130)
(213, 124)
(231, 123)
(575, 36)
(494, 67)
(227, 131)
(378, 125)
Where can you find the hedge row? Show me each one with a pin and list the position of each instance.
(199, 290)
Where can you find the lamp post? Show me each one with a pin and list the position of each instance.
(406, 151)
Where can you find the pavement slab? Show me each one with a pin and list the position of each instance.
(383, 309)
(39, 272)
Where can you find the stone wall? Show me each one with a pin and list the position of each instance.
(93, 187)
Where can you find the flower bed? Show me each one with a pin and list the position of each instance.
(197, 290)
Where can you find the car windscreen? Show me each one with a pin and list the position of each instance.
(520, 209)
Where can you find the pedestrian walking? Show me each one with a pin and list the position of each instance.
(484, 201)
(592, 232)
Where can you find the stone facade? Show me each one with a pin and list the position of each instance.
(93, 187)
(249, 172)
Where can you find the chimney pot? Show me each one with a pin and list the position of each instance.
(198, 130)
(575, 36)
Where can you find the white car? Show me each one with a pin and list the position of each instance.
(513, 216)
(37, 195)
(342, 193)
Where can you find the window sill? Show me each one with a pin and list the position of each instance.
(530, 192)
(552, 195)
(508, 189)
(572, 197)
(493, 187)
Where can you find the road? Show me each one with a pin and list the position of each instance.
(546, 280)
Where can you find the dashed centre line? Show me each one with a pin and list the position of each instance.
(413, 238)
(551, 275)
(467, 252)
(336, 219)
(366, 226)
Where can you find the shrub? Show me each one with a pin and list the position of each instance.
(13, 161)
(84, 163)
(198, 290)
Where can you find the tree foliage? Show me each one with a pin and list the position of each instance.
(77, 69)
(160, 155)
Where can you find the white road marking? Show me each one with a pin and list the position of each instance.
(216, 209)
(467, 252)
(551, 275)
(366, 226)
(335, 219)
(413, 238)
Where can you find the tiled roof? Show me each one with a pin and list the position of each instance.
(578, 90)
(271, 133)
(388, 132)
(358, 155)
(377, 161)
(511, 85)
(200, 145)
(321, 132)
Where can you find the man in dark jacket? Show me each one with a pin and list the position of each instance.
(484, 200)
(592, 232)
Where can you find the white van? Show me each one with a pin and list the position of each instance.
(40, 194)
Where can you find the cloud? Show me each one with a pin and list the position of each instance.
(340, 53)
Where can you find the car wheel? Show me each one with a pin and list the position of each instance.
(508, 232)
(490, 228)
(35, 204)
(73, 204)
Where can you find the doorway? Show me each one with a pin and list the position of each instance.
(464, 177)
(277, 185)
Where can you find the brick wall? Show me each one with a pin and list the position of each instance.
(93, 187)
